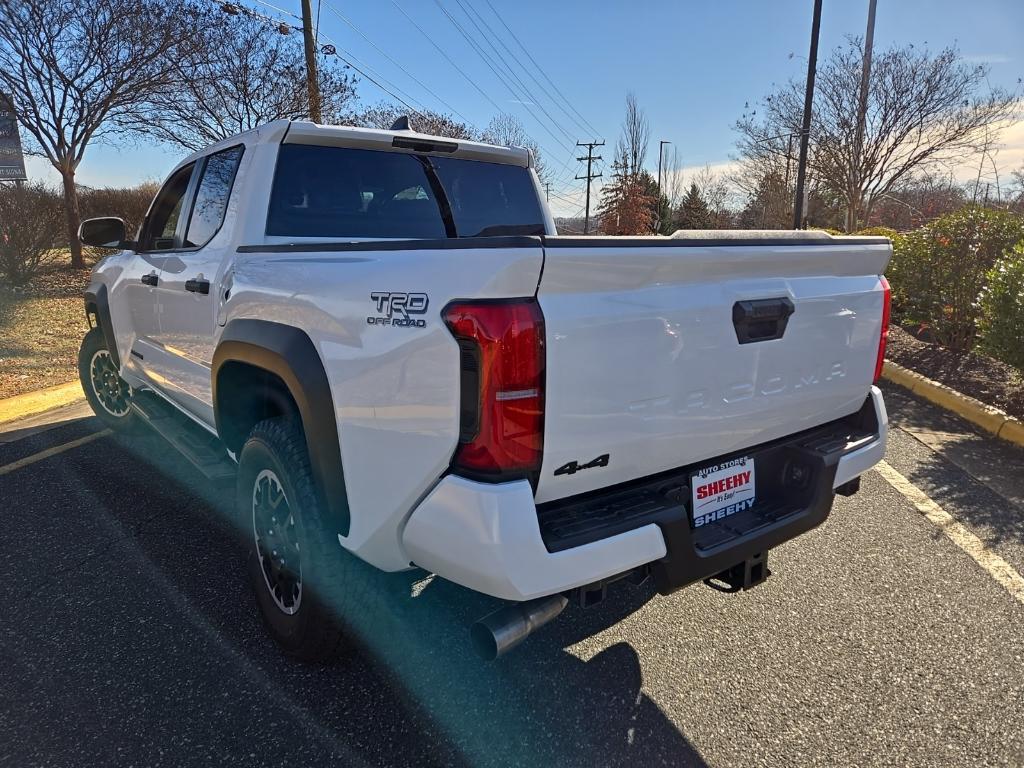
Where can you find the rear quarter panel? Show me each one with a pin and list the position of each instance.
(395, 389)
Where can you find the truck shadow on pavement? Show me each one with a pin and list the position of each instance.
(978, 477)
(135, 639)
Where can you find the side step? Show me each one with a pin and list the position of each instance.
(204, 451)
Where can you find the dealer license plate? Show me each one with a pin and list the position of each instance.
(722, 490)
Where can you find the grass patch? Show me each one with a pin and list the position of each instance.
(41, 328)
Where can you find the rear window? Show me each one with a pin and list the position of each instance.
(340, 192)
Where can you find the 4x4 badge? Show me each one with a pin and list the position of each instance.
(574, 466)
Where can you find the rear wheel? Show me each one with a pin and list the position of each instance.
(108, 394)
(296, 572)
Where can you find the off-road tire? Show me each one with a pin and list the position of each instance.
(107, 393)
(315, 631)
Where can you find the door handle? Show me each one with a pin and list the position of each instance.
(198, 286)
(761, 319)
(150, 280)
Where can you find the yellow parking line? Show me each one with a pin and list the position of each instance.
(1000, 570)
(14, 465)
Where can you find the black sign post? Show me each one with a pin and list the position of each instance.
(12, 162)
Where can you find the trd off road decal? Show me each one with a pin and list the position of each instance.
(395, 309)
(722, 490)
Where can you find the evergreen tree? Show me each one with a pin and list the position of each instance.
(693, 211)
(627, 204)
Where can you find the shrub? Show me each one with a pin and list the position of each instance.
(31, 224)
(879, 232)
(128, 203)
(1002, 309)
(938, 271)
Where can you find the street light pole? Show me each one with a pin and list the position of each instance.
(853, 207)
(661, 149)
(805, 130)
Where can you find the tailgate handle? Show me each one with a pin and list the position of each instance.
(761, 319)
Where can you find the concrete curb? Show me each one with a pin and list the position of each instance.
(33, 403)
(993, 420)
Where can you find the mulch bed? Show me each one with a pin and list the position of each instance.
(989, 380)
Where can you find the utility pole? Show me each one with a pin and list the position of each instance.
(312, 82)
(853, 209)
(590, 158)
(661, 148)
(547, 191)
(805, 130)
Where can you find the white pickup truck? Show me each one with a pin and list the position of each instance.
(380, 336)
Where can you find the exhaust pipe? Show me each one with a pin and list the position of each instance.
(501, 631)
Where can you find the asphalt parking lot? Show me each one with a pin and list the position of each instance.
(130, 636)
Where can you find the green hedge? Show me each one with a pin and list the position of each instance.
(938, 272)
(1002, 309)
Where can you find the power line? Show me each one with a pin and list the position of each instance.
(487, 36)
(565, 165)
(328, 50)
(526, 70)
(526, 104)
(279, 10)
(233, 9)
(539, 68)
(486, 59)
(446, 56)
(376, 47)
(349, 59)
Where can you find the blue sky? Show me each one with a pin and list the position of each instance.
(692, 64)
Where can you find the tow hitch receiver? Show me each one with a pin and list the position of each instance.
(745, 575)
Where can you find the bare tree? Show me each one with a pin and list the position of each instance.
(434, 123)
(80, 70)
(672, 177)
(1016, 194)
(922, 110)
(251, 73)
(507, 131)
(714, 190)
(636, 135)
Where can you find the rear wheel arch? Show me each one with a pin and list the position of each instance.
(263, 369)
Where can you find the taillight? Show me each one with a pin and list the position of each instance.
(886, 310)
(501, 345)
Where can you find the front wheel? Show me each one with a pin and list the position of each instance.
(108, 394)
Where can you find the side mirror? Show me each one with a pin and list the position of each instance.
(105, 232)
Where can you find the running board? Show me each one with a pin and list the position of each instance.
(202, 450)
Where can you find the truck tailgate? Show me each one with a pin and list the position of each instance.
(644, 359)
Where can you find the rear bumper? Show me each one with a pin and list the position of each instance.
(859, 461)
(486, 536)
(493, 539)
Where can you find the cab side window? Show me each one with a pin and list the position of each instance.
(212, 197)
(162, 222)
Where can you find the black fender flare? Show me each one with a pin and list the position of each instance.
(290, 354)
(96, 303)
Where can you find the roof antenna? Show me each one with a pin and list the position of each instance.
(401, 124)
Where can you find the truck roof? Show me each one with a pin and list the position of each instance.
(305, 132)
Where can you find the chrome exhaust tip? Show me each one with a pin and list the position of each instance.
(499, 632)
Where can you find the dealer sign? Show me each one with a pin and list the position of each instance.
(12, 162)
(723, 490)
